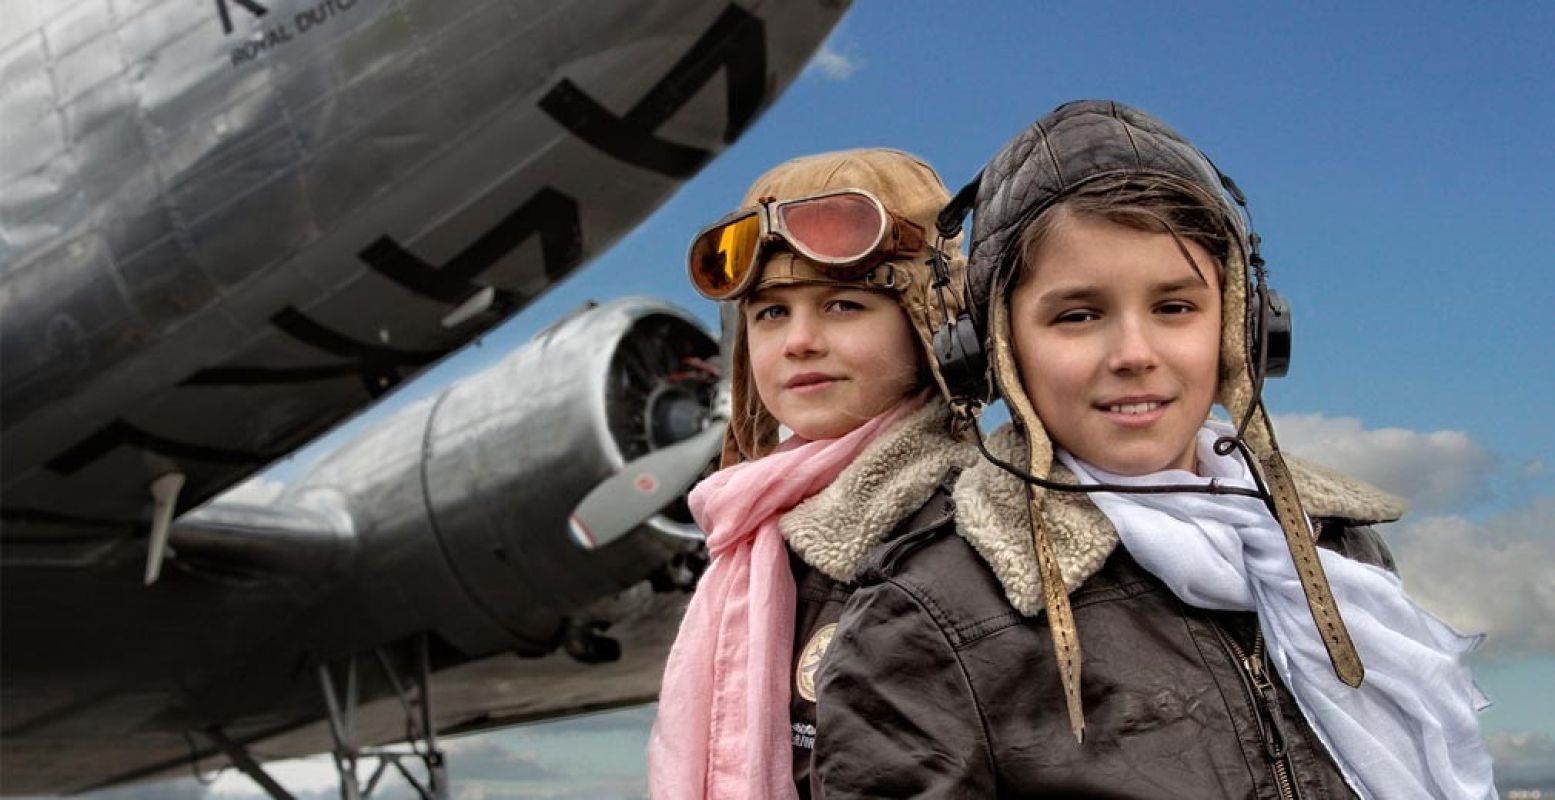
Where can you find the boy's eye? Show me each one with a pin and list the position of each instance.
(842, 304)
(1077, 315)
(1175, 307)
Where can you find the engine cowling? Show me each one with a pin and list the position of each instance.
(512, 451)
(459, 503)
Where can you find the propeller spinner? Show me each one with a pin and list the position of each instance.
(686, 437)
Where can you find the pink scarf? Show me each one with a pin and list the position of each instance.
(722, 728)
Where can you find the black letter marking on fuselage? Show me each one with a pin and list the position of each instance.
(119, 432)
(377, 365)
(248, 5)
(736, 43)
(551, 214)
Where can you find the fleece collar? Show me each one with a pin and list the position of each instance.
(895, 475)
(991, 513)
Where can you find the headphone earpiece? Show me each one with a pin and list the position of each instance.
(1271, 342)
(957, 347)
(962, 363)
(1269, 350)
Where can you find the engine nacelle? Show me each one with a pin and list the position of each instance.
(467, 495)
(513, 450)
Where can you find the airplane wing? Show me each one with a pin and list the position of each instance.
(226, 226)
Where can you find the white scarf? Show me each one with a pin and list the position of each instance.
(1409, 730)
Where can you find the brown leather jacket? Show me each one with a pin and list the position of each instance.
(935, 676)
(933, 686)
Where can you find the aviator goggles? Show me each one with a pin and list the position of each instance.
(844, 233)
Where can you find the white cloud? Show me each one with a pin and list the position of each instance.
(484, 758)
(300, 776)
(1524, 761)
(258, 490)
(834, 64)
(1439, 470)
(1495, 577)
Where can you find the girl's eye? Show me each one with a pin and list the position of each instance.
(1175, 307)
(769, 312)
(841, 304)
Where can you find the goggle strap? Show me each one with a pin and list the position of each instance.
(906, 236)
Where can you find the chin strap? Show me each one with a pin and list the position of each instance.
(1055, 594)
(1285, 505)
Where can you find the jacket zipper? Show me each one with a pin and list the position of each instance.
(1255, 668)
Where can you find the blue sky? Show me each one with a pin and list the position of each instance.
(1399, 163)
(1399, 168)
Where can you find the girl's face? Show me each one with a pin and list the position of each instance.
(1118, 341)
(827, 359)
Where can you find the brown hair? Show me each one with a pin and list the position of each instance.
(1144, 203)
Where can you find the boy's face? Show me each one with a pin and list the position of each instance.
(826, 359)
(1118, 342)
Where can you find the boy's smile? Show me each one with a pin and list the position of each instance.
(1118, 342)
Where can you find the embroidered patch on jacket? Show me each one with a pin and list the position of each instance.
(803, 734)
(810, 661)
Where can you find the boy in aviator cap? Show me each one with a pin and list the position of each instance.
(1141, 602)
(827, 260)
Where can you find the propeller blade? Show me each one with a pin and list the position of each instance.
(641, 489)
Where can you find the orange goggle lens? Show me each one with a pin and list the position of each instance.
(723, 256)
(835, 231)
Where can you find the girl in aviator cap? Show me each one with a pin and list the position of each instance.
(1141, 601)
(827, 263)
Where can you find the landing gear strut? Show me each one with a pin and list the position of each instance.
(420, 733)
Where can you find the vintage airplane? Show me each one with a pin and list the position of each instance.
(226, 225)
